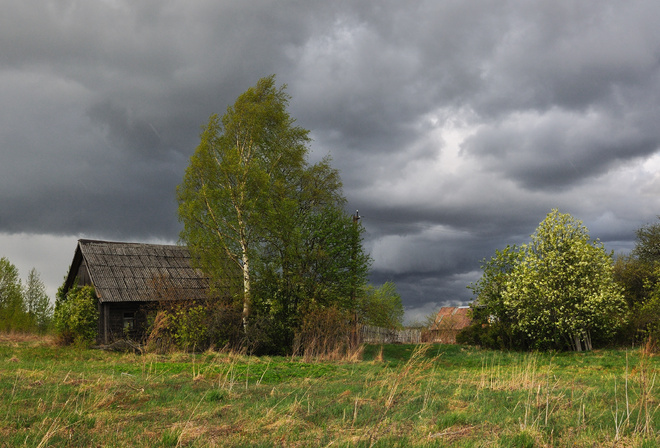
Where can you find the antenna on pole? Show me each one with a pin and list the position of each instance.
(356, 217)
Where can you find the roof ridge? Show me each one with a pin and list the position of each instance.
(87, 241)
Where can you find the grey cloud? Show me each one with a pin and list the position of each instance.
(570, 55)
(557, 149)
(551, 104)
(124, 131)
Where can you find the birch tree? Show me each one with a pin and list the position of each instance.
(239, 176)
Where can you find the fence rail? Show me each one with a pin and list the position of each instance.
(377, 335)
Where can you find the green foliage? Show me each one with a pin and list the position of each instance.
(646, 314)
(635, 276)
(195, 327)
(381, 306)
(22, 307)
(639, 276)
(323, 265)
(37, 303)
(190, 329)
(493, 322)
(637, 279)
(489, 307)
(265, 225)
(239, 175)
(12, 307)
(492, 334)
(76, 315)
(647, 246)
(556, 292)
(562, 290)
(332, 264)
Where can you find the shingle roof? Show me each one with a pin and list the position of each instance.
(454, 316)
(129, 272)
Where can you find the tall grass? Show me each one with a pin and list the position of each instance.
(418, 396)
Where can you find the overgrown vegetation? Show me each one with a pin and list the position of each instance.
(23, 307)
(381, 306)
(76, 315)
(327, 334)
(397, 395)
(201, 326)
(639, 274)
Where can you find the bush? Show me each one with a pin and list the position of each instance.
(195, 326)
(494, 335)
(76, 316)
(325, 333)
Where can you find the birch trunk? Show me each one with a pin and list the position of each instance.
(246, 289)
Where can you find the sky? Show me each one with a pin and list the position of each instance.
(456, 126)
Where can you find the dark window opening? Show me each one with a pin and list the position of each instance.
(129, 322)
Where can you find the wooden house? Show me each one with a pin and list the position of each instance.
(449, 321)
(128, 277)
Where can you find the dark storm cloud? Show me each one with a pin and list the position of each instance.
(137, 136)
(456, 126)
(557, 149)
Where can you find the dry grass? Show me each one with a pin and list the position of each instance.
(399, 396)
(15, 339)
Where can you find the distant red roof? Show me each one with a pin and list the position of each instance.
(452, 317)
(448, 323)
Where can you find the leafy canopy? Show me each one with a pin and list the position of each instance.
(557, 291)
(639, 273)
(12, 306)
(37, 303)
(381, 306)
(267, 226)
(242, 171)
(647, 246)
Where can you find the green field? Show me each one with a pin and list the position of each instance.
(393, 396)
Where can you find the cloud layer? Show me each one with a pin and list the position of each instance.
(456, 127)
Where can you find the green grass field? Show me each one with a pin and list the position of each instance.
(394, 396)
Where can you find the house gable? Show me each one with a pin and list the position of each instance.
(127, 277)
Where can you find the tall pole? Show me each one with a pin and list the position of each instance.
(354, 242)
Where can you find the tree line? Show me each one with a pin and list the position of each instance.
(563, 291)
(24, 306)
(286, 260)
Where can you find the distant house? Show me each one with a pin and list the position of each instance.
(448, 323)
(128, 277)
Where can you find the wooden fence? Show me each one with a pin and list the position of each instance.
(377, 335)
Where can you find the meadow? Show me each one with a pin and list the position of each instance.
(388, 396)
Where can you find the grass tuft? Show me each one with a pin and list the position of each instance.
(389, 395)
